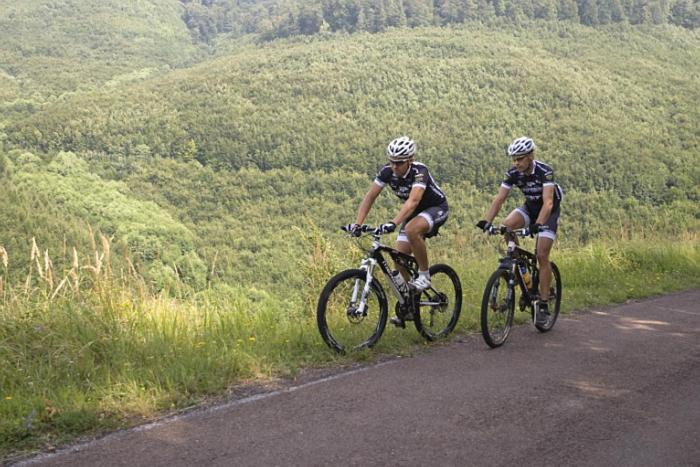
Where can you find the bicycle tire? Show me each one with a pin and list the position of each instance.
(436, 321)
(341, 330)
(497, 311)
(555, 289)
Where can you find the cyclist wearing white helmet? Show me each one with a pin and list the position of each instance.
(540, 212)
(423, 212)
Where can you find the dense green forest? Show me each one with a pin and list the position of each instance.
(116, 42)
(53, 47)
(173, 175)
(227, 156)
(283, 18)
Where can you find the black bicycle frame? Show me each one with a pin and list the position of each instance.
(401, 259)
(515, 257)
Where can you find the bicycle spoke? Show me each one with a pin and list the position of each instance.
(350, 317)
(497, 309)
(439, 306)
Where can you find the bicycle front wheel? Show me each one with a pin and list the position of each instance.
(497, 308)
(350, 315)
(439, 306)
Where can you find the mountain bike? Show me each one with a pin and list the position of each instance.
(517, 271)
(353, 308)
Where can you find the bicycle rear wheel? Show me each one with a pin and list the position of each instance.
(497, 308)
(344, 323)
(439, 306)
(554, 300)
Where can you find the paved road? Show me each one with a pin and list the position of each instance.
(613, 386)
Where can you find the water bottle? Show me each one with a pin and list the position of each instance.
(398, 280)
(526, 275)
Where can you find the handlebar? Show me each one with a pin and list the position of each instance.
(503, 230)
(364, 228)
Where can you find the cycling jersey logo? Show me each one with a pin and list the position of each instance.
(418, 176)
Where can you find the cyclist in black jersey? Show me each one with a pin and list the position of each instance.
(424, 207)
(540, 212)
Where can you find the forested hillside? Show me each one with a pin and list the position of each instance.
(283, 18)
(289, 133)
(53, 47)
(328, 103)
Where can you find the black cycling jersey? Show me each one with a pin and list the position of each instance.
(416, 175)
(532, 184)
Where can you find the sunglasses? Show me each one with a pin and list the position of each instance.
(517, 158)
(397, 163)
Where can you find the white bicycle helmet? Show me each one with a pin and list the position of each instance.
(521, 147)
(401, 149)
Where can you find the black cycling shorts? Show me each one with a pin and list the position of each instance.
(436, 217)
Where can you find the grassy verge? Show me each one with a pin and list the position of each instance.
(108, 355)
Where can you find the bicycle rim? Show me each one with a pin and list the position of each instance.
(344, 324)
(497, 309)
(440, 305)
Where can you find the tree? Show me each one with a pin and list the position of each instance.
(418, 12)
(659, 11)
(588, 12)
(485, 10)
(498, 7)
(617, 13)
(526, 7)
(395, 16)
(337, 14)
(379, 18)
(199, 20)
(685, 14)
(361, 23)
(512, 10)
(188, 151)
(604, 14)
(567, 10)
(544, 9)
(641, 12)
(310, 19)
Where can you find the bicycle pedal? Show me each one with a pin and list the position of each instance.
(398, 322)
(523, 303)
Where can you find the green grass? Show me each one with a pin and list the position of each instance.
(115, 356)
(614, 274)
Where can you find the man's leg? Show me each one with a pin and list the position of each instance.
(544, 246)
(404, 247)
(416, 230)
(517, 219)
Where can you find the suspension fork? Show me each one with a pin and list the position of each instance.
(368, 266)
(511, 265)
(515, 274)
(510, 293)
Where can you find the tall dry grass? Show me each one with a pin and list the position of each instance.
(90, 347)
